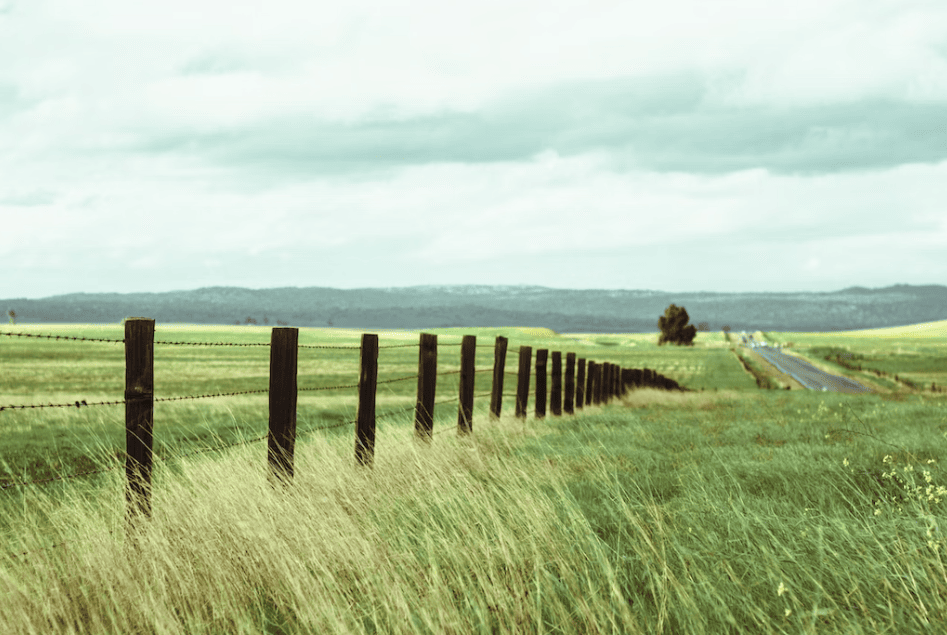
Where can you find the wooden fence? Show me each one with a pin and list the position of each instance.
(593, 384)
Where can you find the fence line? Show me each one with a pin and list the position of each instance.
(601, 382)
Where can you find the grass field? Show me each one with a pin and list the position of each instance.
(725, 509)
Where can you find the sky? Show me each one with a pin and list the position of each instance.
(680, 145)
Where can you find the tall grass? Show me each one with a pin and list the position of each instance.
(670, 513)
(460, 537)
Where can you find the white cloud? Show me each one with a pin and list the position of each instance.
(109, 112)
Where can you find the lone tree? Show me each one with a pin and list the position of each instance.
(12, 315)
(674, 327)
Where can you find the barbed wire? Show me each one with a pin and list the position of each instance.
(222, 394)
(79, 404)
(328, 427)
(211, 343)
(212, 448)
(330, 387)
(76, 404)
(62, 337)
(173, 343)
(391, 381)
(411, 408)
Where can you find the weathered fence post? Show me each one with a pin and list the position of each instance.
(522, 381)
(541, 356)
(570, 383)
(365, 417)
(600, 370)
(499, 365)
(580, 385)
(427, 381)
(468, 351)
(139, 415)
(590, 384)
(555, 390)
(603, 383)
(607, 382)
(281, 440)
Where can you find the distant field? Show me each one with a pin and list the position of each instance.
(724, 509)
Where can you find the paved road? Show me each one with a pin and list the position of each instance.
(804, 372)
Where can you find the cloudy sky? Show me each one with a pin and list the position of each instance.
(675, 145)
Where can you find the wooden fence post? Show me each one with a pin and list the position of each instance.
(603, 382)
(499, 365)
(522, 381)
(570, 383)
(580, 384)
(600, 383)
(281, 441)
(139, 416)
(468, 352)
(555, 390)
(590, 384)
(541, 356)
(427, 381)
(365, 417)
(605, 388)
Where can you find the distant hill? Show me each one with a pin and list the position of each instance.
(562, 310)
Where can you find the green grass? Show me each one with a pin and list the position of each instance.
(727, 509)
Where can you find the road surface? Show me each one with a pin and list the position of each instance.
(802, 371)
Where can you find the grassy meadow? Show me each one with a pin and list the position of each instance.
(727, 509)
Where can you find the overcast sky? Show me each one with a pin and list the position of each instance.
(675, 145)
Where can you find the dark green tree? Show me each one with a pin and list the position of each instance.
(674, 327)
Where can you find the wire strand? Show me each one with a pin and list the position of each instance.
(62, 337)
(76, 404)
